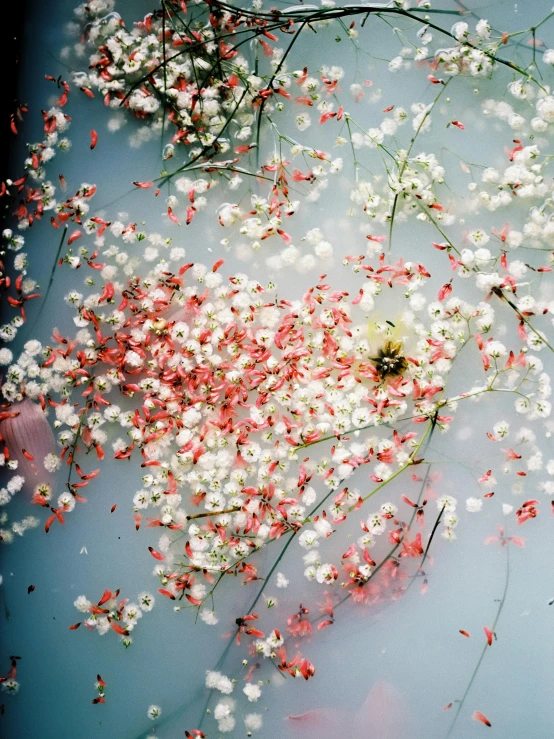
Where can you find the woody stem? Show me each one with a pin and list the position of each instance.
(211, 513)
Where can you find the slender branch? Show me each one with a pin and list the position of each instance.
(269, 85)
(51, 280)
(193, 516)
(486, 647)
(407, 157)
(526, 321)
(313, 14)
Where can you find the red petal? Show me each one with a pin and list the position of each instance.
(155, 554)
(172, 216)
(118, 629)
(478, 716)
(106, 595)
(74, 236)
(167, 594)
(194, 601)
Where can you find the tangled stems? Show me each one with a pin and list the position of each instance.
(406, 159)
(398, 544)
(423, 443)
(260, 23)
(411, 461)
(190, 48)
(311, 14)
(425, 440)
(483, 652)
(270, 84)
(496, 290)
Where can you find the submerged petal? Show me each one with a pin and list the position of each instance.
(323, 723)
(28, 434)
(384, 714)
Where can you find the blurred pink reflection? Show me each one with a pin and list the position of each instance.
(383, 715)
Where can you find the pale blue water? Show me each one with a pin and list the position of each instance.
(414, 643)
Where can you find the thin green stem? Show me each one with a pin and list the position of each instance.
(486, 647)
(51, 280)
(407, 157)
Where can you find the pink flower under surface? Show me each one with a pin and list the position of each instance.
(28, 438)
(383, 715)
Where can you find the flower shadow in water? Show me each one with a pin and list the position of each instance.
(383, 715)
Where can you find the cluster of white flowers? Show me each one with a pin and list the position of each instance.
(295, 412)
(109, 614)
(224, 710)
(263, 222)
(15, 528)
(199, 86)
(406, 193)
(473, 54)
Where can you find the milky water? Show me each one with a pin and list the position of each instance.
(412, 644)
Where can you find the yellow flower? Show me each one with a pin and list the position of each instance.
(387, 340)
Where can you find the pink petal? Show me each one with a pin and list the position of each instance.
(319, 723)
(384, 714)
(31, 431)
